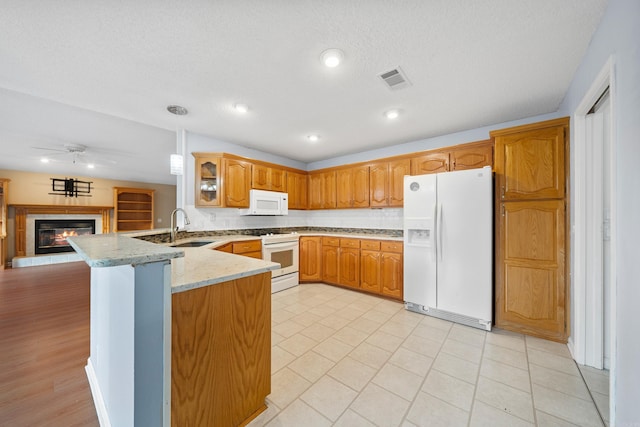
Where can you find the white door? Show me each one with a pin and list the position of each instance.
(419, 240)
(598, 247)
(464, 242)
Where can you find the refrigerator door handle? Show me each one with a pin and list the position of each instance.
(439, 231)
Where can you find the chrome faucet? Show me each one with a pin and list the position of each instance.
(174, 227)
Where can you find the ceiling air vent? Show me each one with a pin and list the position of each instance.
(395, 79)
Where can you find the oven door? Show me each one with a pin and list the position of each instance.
(285, 253)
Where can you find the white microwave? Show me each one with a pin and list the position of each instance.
(263, 202)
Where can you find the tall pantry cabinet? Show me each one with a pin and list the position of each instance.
(531, 170)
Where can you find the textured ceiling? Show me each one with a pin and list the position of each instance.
(102, 73)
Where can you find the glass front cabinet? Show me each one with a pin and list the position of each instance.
(207, 181)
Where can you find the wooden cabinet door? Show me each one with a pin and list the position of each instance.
(344, 188)
(322, 190)
(278, 178)
(207, 182)
(386, 183)
(430, 163)
(378, 184)
(360, 187)
(352, 187)
(316, 193)
(349, 267)
(329, 193)
(297, 189)
(391, 274)
(531, 164)
(370, 270)
(237, 183)
(267, 178)
(310, 258)
(397, 170)
(260, 177)
(531, 268)
(330, 263)
(472, 158)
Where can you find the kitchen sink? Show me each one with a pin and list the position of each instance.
(193, 244)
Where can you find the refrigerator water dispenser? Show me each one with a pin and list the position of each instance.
(419, 237)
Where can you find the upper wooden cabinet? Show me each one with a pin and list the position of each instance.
(268, 178)
(132, 209)
(472, 156)
(298, 191)
(237, 179)
(322, 190)
(530, 164)
(353, 187)
(430, 163)
(467, 156)
(207, 180)
(221, 180)
(386, 183)
(224, 180)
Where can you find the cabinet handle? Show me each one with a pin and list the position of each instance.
(503, 210)
(453, 164)
(502, 191)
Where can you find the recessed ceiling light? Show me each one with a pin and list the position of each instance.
(313, 138)
(44, 160)
(241, 108)
(392, 114)
(177, 110)
(91, 165)
(332, 57)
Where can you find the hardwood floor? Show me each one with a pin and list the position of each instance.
(44, 346)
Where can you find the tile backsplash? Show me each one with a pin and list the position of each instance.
(229, 219)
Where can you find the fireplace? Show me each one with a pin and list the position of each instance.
(51, 234)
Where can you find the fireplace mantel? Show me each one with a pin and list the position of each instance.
(23, 210)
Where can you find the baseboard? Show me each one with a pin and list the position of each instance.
(98, 401)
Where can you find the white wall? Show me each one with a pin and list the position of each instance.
(619, 35)
(463, 137)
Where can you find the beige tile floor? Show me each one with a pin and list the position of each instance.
(344, 358)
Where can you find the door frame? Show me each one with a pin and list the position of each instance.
(584, 308)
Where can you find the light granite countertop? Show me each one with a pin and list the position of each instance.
(109, 250)
(203, 266)
(190, 267)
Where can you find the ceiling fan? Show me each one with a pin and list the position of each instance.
(78, 153)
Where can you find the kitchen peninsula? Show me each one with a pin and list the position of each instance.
(178, 336)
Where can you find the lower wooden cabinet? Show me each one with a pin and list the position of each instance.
(373, 266)
(391, 269)
(370, 266)
(330, 259)
(349, 263)
(250, 248)
(310, 258)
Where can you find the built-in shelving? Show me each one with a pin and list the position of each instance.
(4, 188)
(133, 209)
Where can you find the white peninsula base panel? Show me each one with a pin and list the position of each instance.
(129, 366)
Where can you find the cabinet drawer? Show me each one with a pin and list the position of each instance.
(349, 243)
(227, 247)
(331, 241)
(372, 245)
(248, 246)
(257, 254)
(391, 246)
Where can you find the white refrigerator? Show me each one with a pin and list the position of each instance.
(448, 246)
